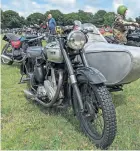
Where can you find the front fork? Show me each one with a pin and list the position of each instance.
(72, 77)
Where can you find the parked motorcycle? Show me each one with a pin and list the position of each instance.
(16, 46)
(55, 79)
(133, 37)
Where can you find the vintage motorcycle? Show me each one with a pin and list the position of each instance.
(14, 49)
(133, 37)
(56, 79)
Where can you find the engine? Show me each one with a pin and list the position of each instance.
(46, 88)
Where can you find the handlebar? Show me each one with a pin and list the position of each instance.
(40, 37)
(58, 36)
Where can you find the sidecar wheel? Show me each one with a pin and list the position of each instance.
(97, 105)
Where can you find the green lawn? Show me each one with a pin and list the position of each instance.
(28, 126)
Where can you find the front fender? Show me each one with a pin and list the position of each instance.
(90, 74)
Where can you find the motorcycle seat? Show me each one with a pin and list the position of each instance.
(34, 51)
(13, 37)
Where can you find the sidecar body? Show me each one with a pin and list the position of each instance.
(119, 64)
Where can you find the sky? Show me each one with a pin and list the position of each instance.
(26, 7)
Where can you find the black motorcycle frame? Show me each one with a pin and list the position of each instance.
(71, 70)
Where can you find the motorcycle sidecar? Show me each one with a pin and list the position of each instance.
(118, 63)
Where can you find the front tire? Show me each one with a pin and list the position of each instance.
(96, 100)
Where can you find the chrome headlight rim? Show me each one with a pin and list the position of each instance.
(70, 40)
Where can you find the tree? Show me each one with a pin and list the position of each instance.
(23, 21)
(98, 18)
(138, 19)
(35, 18)
(109, 18)
(2, 18)
(85, 17)
(11, 19)
(70, 18)
(14, 23)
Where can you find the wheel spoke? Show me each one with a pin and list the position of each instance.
(94, 120)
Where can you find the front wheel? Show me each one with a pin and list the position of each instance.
(98, 120)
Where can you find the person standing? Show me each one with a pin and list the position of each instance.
(51, 24)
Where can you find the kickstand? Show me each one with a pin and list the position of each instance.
(20, 82)
(23, 80)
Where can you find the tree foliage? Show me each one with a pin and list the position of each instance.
(109, 18)
(11, 19)
(35, 18)
(98, 18)
(2, 18)
(138, 19)
(69, 18)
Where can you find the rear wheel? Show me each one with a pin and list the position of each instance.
(98, 121)
(7, 51)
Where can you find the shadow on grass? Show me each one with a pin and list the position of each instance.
(119, 99)
(66, 113)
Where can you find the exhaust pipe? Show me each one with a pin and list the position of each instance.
(6, 57)
(29, 94)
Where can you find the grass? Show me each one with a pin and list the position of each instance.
(28, 126)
